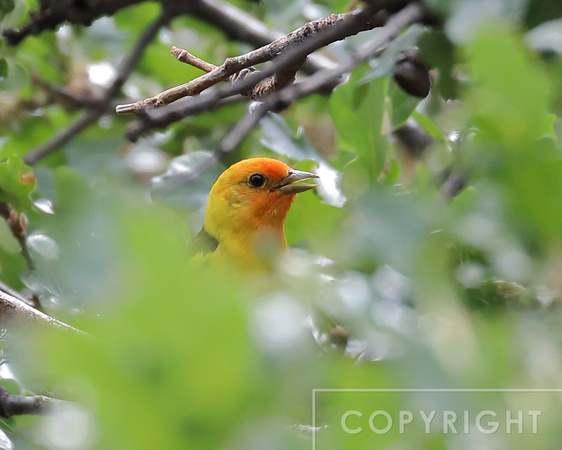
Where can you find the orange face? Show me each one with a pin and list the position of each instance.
(253, 193)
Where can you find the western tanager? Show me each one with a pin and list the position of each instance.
(246, 211)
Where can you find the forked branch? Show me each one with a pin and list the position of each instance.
(362, 19)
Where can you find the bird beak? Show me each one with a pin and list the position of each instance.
(288, 184)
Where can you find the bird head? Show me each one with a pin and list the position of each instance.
(251, 197)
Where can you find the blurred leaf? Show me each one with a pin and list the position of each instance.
(358, 112)
(384, 226)
(136, 17)
(5, 441)
(11, 265)
(171, 360)
(383, 66)
(314, 223)
(16, 77)
(6, 6)
(393, 174)
(535, 186)
(468, 17)
(279, 138)
(157, 62)
(3, 69)
(12, 385)
(33, 131)
(438, 52)
(44, 56)
(16, 183)
(466, 199)
(510, 97)
(182, 186)
(546, 37)
(429, 126)
(403, 105)
(329, 189)
(73, 248)
(540, 11)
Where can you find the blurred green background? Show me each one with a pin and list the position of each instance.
(442, 258)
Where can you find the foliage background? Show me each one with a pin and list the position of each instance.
(438, 287)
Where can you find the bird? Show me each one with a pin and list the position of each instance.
(246, 211)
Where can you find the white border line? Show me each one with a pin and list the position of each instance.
(314, 391)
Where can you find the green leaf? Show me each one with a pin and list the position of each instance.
(429, 126)
(6, 6)
(437, 51)
(3, 69)
(510, 98)
(358, 113)
(33, 131)
(181, 186)
(279, 138)
(384, 65)
(403, 104)
(11, 384)
(137, 17)
(16, 183)
(393, 174)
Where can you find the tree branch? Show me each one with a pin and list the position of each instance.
(87, 118)
(15, 311)
(331, 29)
(17, 405)
(66, 97)
(319, 81)
(280, 100)
(325, 79)
(185, 57)
(53, 13)
(234, 22)
(243, 27)
(276, 82)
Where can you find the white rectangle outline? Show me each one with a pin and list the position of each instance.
(314, 391)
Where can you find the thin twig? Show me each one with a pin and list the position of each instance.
(453, 183)
(63, 95)
(185, 57)
(92, 114)
(278, 81)
(352, 22)
(87, 118)
(17, 223)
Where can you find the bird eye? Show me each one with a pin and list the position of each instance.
(256, 180)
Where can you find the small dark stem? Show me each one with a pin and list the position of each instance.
(17, 222)
(17, 405)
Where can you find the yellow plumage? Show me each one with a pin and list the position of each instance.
(246, 212)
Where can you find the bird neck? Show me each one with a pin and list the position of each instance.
(257, 248)
(250, 231)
